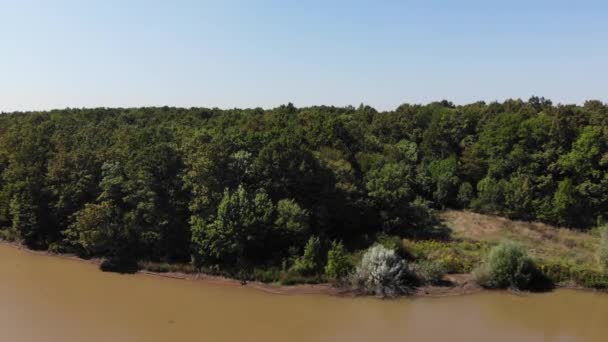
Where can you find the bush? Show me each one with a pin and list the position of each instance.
(338, 266)
(602, 250)
(57, 248)
(429, 272)
(7, 234)
(589, 277)
(309, 263)
(164, 267)
(383, 273)
(557, 271)
(269, 275)
(292, 278)
(582, 275)
(506, 266)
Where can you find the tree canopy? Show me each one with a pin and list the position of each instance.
(226, 188)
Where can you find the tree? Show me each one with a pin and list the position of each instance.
(291, 222)
(237, 233)
(445, 180)
(565, 202)
(310, 262)
(24, 217)
(465, 194)
(338, 265)
(490, 195)
(518, 194)
(248, 187)
(98, 230)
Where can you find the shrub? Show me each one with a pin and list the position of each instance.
(266, 275)
(7, 234)
(602, 250)
(589, 277)
(429, 271)
(57, 248)
(309, 263)
(507, 265)
(556, 271)
(583, 275)
(383, 273)
(292, 278)
(338, 266)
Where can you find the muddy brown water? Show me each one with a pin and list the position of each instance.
(44, 298)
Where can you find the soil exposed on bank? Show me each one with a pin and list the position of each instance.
(458, 284)
(455, 284)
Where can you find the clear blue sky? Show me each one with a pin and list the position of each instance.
(57, 54)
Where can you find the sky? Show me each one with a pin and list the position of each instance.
(131, 53)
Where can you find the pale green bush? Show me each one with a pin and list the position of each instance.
(383, 273)
(507, 265)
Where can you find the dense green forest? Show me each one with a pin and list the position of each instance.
(234, 189)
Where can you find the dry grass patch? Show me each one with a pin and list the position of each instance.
(542, 241)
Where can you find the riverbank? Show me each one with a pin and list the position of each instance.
(71, 301)
(460, 284)
(456, 284)
(565, 256)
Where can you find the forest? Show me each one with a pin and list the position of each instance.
(240, 189)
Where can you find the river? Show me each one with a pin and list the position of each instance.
(44, 298)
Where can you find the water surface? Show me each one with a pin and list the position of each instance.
(52, 299)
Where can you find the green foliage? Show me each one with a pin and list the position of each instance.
(602, 249)
(445, 180)
(247, 188)
(238, 231)
(452, 256)
(465, 194)
(292, 277)
(490, 195)
(97, 230)
(506, 265)
(292, 221)
(429, 271)
(568, 273)
(310, 262)
(23, 211)
(391, 242)
(564, 202)
(338, 264)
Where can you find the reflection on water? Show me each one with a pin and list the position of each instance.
(51, 299)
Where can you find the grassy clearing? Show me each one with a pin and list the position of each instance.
(566, 257)
(542, 241)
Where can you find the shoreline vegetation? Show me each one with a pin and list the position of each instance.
(462, 284)
(454, 284)
(513, 194)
